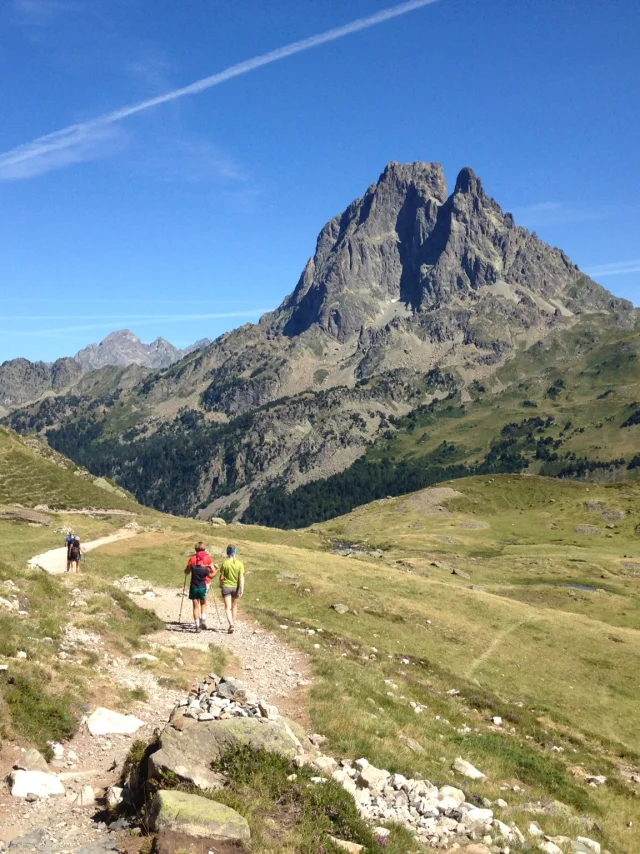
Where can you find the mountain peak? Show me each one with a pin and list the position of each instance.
(406, 242)
(468, 182)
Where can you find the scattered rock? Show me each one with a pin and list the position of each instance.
(468, 770)
(588, 531)
(25, 783)
(114, 797)
(106, 722)
(86, 797)
(461, 573)
(32, 760)
(143, 656)
(584, 845)
(196, 817)
(597, 780)
(340, 608)
(218, 521)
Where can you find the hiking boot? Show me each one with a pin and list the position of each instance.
(203, 624)
(197, 629)
(230, 630)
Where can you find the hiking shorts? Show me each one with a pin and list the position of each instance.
(231, 591)
(199, 593)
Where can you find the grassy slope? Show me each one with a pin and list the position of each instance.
(31, 473)
(601, 373)
(559, 664)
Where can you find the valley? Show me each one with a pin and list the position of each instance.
(510, 598)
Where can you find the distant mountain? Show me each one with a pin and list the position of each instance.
(413, 294)
(22, 381)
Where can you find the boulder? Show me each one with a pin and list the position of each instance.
(340, 608)
(350, 847)
(584, 844)
(372, 777)
(468, 770)
(189, 753)
(196, 817)
(218, 520)
(106, 722)
(25, 783)
(114, 797)
(86, 797)
(32, 760)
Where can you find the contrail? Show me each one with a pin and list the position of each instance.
(20, 161)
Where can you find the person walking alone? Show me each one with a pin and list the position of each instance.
(232, 585)
(202, 570)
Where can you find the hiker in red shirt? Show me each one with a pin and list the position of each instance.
(202, 569)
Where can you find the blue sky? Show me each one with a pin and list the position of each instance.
(195, 215)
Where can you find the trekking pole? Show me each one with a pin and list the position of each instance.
(182, 600)
(215, 604)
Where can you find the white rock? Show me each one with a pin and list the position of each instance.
(149, 595)
(549, 847)
(467, 769)
(450, 798)
(37, 783)
(86, 798)
(591, 844)
(350, 847)
(326, 764)
(144, 656)
(21, 654)
(503, 829)
(372, 777)
(106, 722)
(114, 797)
(58, 749)
(361, 764)
(597, 780)
(497, 720)
(501, 803)
(477, 814)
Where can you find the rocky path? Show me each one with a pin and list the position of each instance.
(270, 668)
(55, 560)
(62, 825)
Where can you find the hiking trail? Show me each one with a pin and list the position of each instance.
(57, 825)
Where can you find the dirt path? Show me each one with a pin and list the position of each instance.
(269, 667)
(55, 560)
(59, 826)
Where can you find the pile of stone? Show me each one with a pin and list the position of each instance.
(216, 698)
(437, 816)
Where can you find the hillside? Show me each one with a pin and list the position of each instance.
(22, 381)
(32, 475)
(412, 294)
(504, 608)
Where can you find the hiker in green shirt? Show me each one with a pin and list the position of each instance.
(232, 585)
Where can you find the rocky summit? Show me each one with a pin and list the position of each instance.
(413, 294)
(22, 381)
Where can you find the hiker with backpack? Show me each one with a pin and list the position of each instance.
(202, 570)
(232, 585)
(68, 543)
(74, 554)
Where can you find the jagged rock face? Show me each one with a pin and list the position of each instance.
(125, 348)
(360, 260)
(406, 241)
(22, 381)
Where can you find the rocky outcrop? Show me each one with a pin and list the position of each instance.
(22, 381)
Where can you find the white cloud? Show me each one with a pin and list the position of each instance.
(559, 213)
(615, 268)
(70, 145)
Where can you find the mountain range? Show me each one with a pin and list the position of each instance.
(22, 381)
(413, 295)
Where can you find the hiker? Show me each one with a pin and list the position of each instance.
(232, 585)
(69, 542)
(202, 570)
(74, 555)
